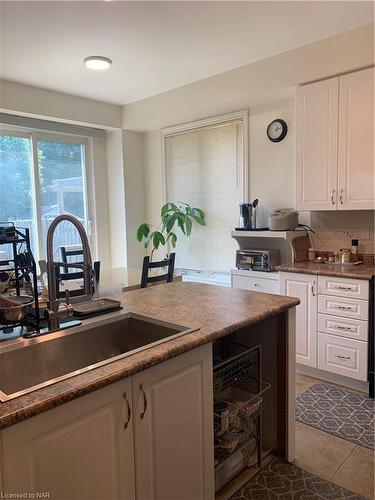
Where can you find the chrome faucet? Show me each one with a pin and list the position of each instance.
(57, 309)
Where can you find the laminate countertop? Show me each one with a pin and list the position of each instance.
(213, 310)
(359, 271)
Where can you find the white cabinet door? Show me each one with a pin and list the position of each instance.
(80, 450)
(356, 141)
(317, 130)
(304, 287)
(173, 425)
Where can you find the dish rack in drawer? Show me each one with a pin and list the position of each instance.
(239, 401)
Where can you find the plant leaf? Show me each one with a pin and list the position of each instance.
(161, 238)
(181, 222)
(143, 231)
(197, 219)
(155, 240)
(173, 240)
(188, 225)
(173, 207)
(171, 222)
(164, 210)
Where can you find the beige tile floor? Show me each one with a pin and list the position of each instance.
(332, 458)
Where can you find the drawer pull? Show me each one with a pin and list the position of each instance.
(256, 284)
(342, 357)
(344, 308)
(344, 288)
(346, 328)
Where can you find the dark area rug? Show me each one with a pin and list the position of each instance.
(337, 411)
(282, 480)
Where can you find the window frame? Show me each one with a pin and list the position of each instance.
(34, 137)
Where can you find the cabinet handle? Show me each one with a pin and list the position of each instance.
(341, 194)
(333, 197)
(342, 357)
(144, 401)
(128, 409)
(313, 288)
(344, 308)
(344, 288)
(346, 328)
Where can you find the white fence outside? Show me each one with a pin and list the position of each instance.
(65, 234)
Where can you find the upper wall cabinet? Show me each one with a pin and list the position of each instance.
(317, 127)
(356, 140)
(335, 143)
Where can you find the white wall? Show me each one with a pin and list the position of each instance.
(267, 89)
(116, 198)
(17, 98)
(134, 183)
(100, 203)
(154, 188)
(271, 165)
(126, 196)
(269, 80)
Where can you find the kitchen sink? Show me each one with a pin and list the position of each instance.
(27, 365)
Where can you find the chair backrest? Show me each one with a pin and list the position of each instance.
(75, 276)
(167, 277)
(65, 253)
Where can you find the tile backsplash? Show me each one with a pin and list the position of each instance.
(335, 230)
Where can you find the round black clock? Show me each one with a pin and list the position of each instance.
(277, 130)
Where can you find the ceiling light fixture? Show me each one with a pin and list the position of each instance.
(97, 62)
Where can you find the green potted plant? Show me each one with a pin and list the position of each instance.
(172, 217)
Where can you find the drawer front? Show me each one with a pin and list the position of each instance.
(343, 287)
(342, 356)
(341, 306)
(255, 284)
(345, 327)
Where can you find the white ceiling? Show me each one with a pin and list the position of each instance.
(156, 46)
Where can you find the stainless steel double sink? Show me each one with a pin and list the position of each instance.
(28, 365)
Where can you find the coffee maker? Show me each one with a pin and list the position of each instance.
(248, 215)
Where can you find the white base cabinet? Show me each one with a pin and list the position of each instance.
(173, 430)
(149, 436)
(332, 322)
(304, 287)
(80, 450)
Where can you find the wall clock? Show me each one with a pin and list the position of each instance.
(277, 130)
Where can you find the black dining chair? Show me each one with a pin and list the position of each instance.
(147, 265)
(70, 253)
(76, 275)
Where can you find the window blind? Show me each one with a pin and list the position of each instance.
(204, 167)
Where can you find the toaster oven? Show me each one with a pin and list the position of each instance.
(257, 260)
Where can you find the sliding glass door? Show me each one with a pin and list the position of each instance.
(42, 177)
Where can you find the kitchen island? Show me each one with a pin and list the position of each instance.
(166, 390)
